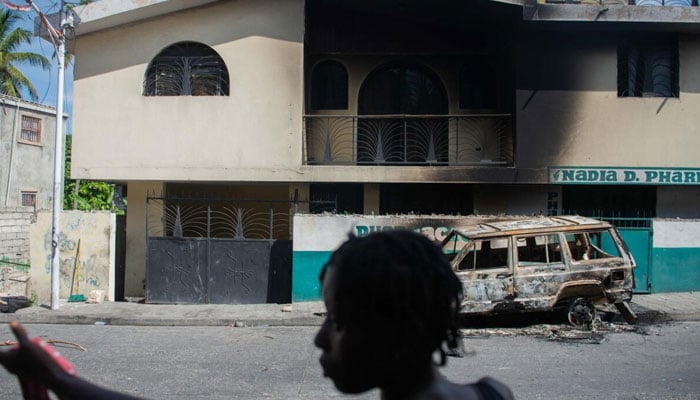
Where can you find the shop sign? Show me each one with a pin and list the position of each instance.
(623, 176)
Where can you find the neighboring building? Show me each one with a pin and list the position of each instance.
(391, 107)
(27, 157)
(26, 183)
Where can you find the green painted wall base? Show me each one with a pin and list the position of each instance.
(306, 267)
(675, 270)
(672, 270)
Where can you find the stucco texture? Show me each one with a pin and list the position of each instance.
(95, 233)
(193, 137)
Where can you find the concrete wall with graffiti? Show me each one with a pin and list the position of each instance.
(675, 255)
(317, 235)
(86, 242)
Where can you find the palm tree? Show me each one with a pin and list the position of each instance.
(12, 80)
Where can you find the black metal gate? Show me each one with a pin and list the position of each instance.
(218, 251)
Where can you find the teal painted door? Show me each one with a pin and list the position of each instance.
(639, 242)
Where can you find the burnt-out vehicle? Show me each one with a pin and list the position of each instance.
(569, 263)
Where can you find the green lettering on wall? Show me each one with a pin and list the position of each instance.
(690, 177)
(362, 230)
(567, 175)
(677, 177)
(651, 175)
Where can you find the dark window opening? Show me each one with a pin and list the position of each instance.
(402, 89)
(187, 69)
(648, 68)
(396, 198)
(329, 86)
(28, 199)
(478, 85)
(336, 197)
(610, 201)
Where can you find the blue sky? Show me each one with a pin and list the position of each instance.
(46, 81)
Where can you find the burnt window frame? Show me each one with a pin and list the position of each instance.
(188, 69)
(476, 256)
(636, 56)
(539, 254)
(328, 86)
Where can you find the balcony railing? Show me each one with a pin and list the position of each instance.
(484, 139)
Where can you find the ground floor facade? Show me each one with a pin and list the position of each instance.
(661, 222)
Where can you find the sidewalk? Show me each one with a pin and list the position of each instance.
(649, 307)
(125, 313)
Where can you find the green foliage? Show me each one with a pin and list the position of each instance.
(12, 80)
(92, 195)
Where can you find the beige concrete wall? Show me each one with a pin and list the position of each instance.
(223, 138)
(569, 114)
(95, 231)
(255, 134)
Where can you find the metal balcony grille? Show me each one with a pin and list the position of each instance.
(187, 69)
(409, 140)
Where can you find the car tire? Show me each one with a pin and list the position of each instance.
(581, 312)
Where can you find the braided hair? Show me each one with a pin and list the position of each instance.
(399, 285)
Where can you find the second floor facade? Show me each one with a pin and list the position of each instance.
(386, 91)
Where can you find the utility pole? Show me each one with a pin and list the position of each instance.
(58, 40)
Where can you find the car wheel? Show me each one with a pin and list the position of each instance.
(581, 312)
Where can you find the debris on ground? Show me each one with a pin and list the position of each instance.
(54, 342)
(10, 304)
(557, 332)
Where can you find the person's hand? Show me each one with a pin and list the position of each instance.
(34, 362)
(39, 367)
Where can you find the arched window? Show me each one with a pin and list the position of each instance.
(187, 69)
(398, 88)
(403, 92)
(329, 86)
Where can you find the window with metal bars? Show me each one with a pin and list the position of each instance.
(31, 129)
(28, 199)
(187, 69)
(648, 67)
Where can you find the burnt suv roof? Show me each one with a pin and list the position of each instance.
(543, 224)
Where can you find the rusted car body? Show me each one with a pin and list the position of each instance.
(542, 264)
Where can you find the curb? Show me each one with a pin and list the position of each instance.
(122, 321)
(307, 315)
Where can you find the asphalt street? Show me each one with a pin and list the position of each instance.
(657, 361)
